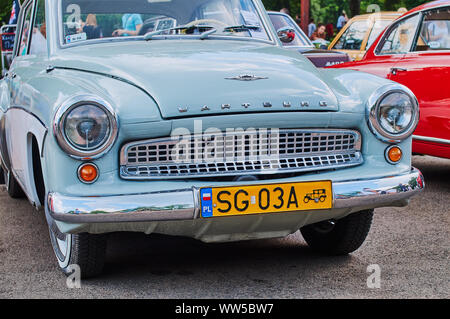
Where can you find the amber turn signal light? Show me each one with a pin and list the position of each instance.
(394, 154)
(88, 173)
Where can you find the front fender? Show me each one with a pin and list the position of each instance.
(133, 107)
(352, 88)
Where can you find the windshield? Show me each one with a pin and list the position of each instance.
(353, 37)
(84, 20)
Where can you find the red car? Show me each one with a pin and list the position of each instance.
(415, 51)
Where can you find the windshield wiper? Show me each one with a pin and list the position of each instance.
(189, 30)
(241, 28)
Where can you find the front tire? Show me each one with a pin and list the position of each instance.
(341, 237)
(12, 186)
(85, 250)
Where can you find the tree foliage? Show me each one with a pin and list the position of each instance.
(329, 10)
(5, 11)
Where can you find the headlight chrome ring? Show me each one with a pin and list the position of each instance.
(69, 146)
(373, 113)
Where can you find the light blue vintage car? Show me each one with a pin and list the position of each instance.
(188, 118)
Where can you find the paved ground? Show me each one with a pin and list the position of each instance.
(411, 245)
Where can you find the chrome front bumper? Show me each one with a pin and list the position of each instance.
(184, 204)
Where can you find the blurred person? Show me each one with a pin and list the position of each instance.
(320, 33)
(311, 28)
(342, 20)
(285, 11)
(330, 31)
(91, 27)
(298, 20)
(131, 24)
(25, 33)
(43, 30)
(439, 33)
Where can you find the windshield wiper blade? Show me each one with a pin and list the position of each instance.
(241, 28)
(203, 35)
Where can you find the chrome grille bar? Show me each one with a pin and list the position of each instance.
(240, 153)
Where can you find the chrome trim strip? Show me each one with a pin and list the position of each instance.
(176, 205)
(381, 192)
(431, 139)
(184, 204)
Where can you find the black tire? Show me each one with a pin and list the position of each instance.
(85, 250)
(12, 186)
(341, 238)
(2, 178)
(88, 252)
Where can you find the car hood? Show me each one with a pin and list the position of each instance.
(200, 78)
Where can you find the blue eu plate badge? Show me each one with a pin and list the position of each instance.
(206, 200)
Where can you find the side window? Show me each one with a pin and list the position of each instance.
(435, 31)
(353, 37)
(39, 38)
(25, 35)
(378, 27)
(400, 37)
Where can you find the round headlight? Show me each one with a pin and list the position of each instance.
(393, 113)
(85, 127)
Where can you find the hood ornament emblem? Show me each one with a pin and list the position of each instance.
(247, 77)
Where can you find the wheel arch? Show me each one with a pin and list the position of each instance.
(37, 182)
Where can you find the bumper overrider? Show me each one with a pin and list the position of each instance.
(184, 204)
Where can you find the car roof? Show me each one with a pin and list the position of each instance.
(430, 5)
(383, 15)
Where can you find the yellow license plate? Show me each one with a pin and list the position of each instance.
(261, 199)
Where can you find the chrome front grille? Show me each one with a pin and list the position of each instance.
(240, 153)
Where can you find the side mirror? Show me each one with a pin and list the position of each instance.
(286, 35)
(7, 38)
